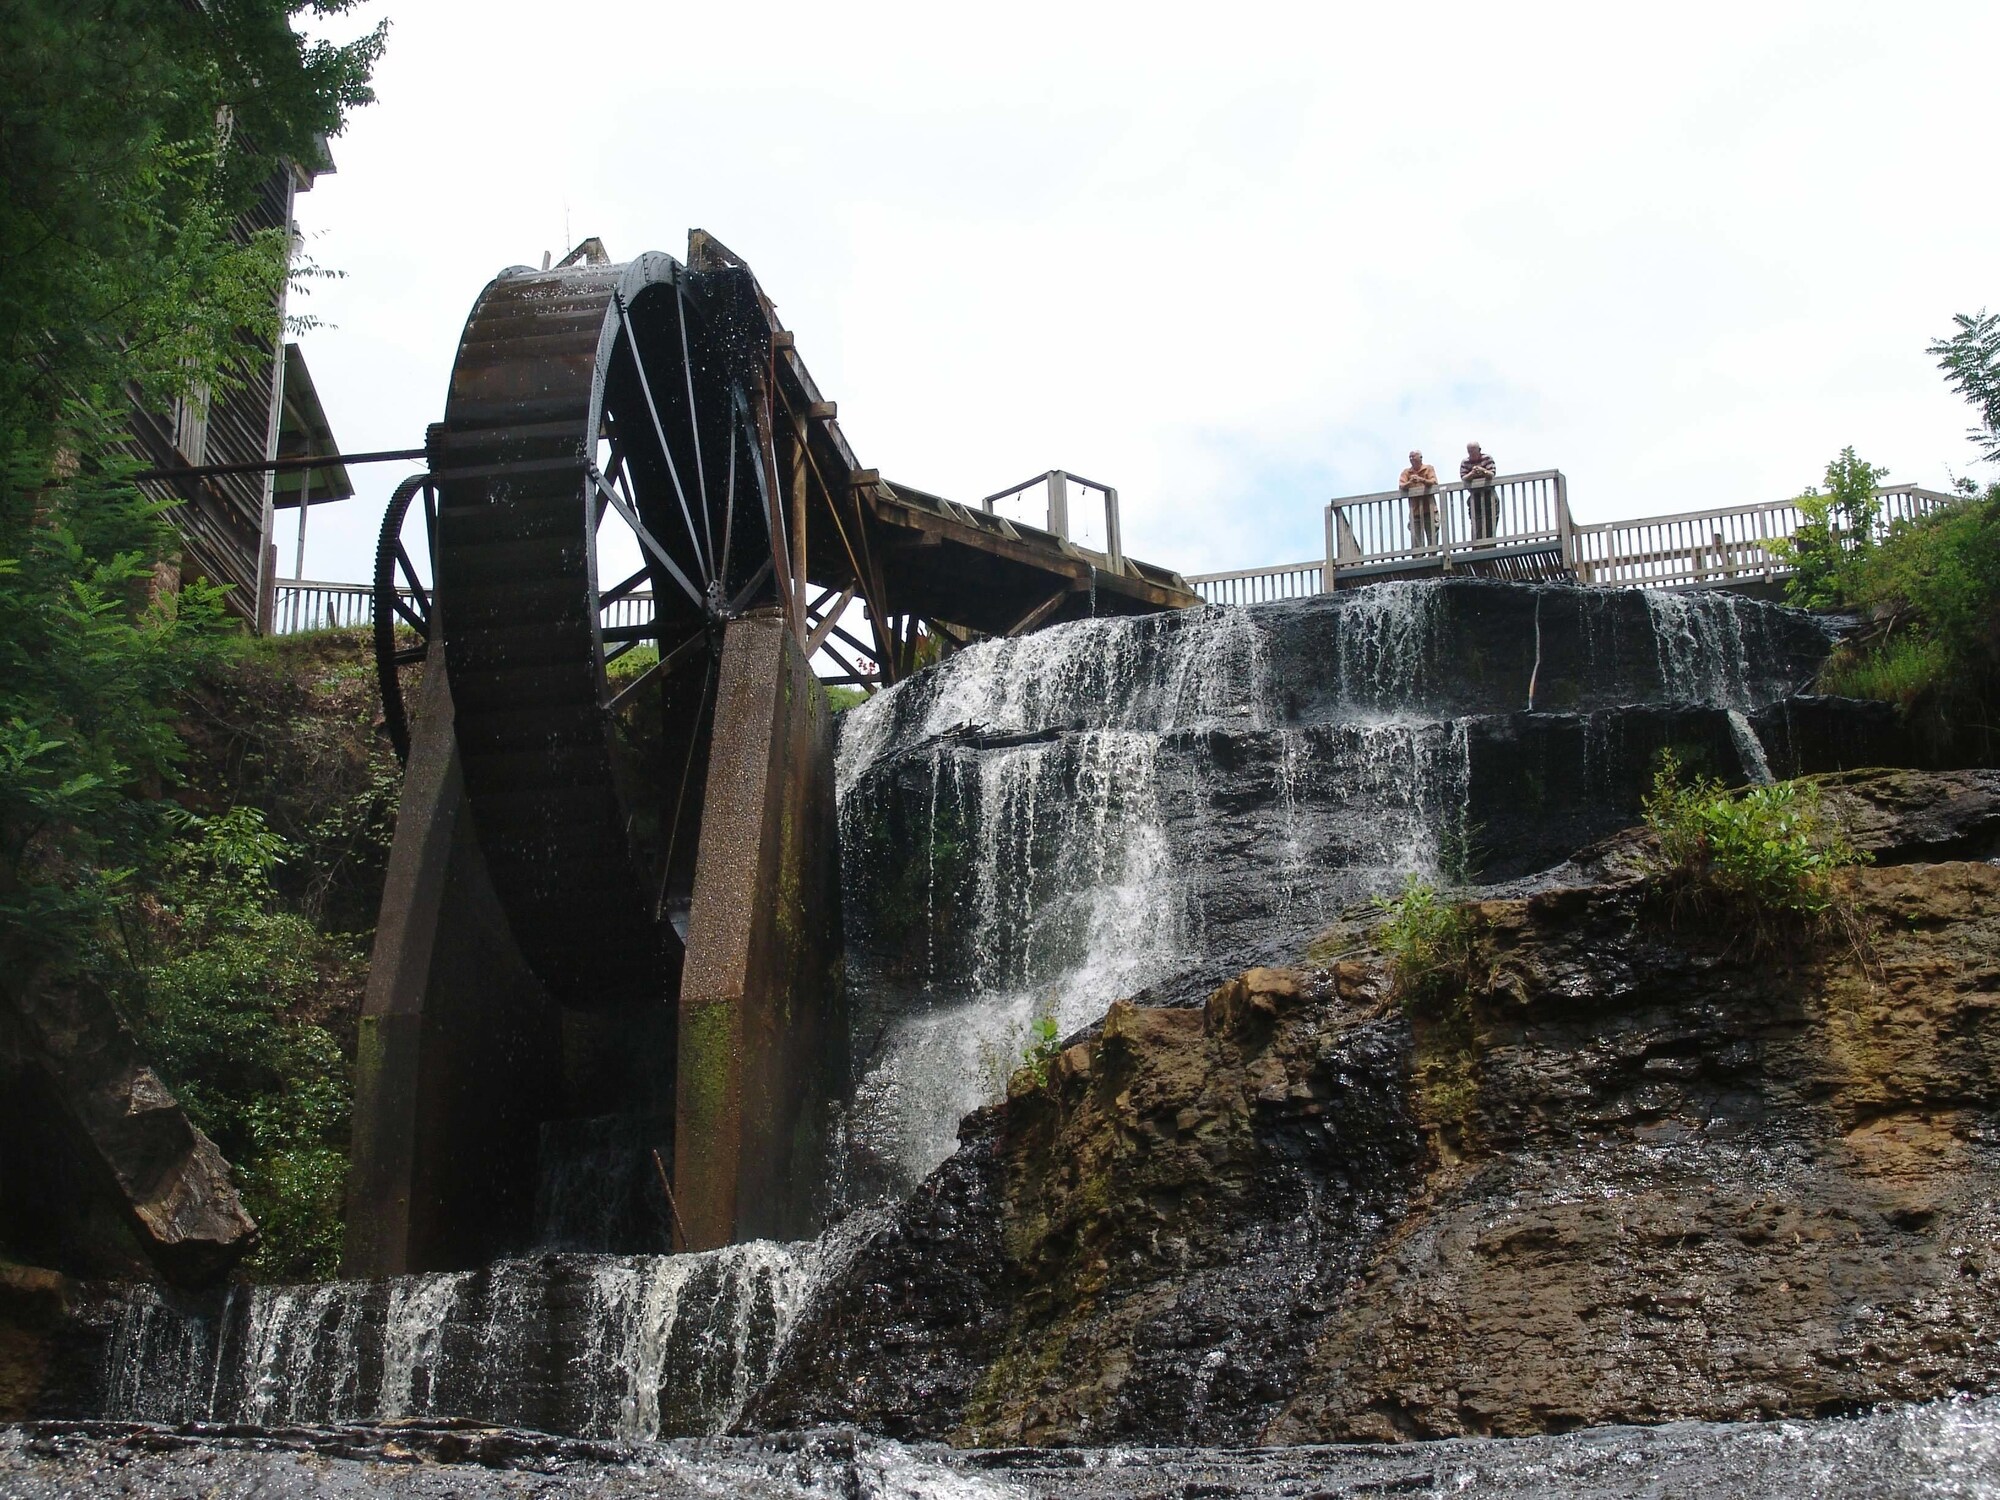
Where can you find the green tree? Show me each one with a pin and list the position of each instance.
(1835, 534)
(1970, 359)
(224, 996)
(132, 133)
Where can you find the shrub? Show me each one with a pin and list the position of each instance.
(1044, 1043)
(1768, 853)
(1430, 942)
(1905, 669)
(230, 998)
(1835, 535)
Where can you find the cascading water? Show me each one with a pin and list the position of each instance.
(632, 1347)
(1037, 827)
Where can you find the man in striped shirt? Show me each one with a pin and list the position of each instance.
(1478, 472)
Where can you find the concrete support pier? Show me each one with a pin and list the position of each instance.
(459, 1053)
(762, 1020)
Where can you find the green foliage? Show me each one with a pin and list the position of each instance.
(1043, 1046)
(1430, 941)
(132, 134)
(1970, 359)
(1768, 853)
(843, 696)
(1904, 670)
(1835, 535)
(89, 666)
(227, 995)
(1933, 590)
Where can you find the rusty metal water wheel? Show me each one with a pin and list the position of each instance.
(603, 444)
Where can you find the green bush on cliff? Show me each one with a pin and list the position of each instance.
(1770, 851)
(235, 999)
(1933, 588)
(1931, 585)
(1429, 939)
(1836, 534)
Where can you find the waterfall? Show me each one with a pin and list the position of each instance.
(1711, 647)
(1031, 830)
(1755, 765)
(1034, 828)
(632, 1347)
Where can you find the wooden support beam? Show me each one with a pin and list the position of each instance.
(784, 338)
(823, 411)
(799, 553)
(828, 621)
(1040, 612)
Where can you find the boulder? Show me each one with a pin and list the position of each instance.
(171, 1185)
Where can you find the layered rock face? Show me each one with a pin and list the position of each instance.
(1642, 1173)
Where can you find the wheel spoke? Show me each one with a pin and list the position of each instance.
(680, 798)
(756, 582)
(660, 434)
(729, 498)
(646, 538)
(669, 660)
(410, 572)
(694, 426)
(614, 595)
(419, 623)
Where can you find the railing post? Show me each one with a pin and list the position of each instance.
(1565, 528)
(1114, 542)
(1326, 576)
(1059, 503)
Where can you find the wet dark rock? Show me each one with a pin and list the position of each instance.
(1903, 817)
(1644, 1171)
(63, 1044)
(1944, 1449)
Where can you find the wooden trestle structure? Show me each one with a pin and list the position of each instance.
(923, 565)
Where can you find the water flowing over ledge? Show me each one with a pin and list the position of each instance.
(1036, 827)
(1947, 1450)
(628, 1347)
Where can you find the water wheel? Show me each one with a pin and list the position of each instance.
(605, 486)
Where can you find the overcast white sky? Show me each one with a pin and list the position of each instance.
(1233, 258)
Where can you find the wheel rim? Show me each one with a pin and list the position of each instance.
(403, 598)
(601, 444)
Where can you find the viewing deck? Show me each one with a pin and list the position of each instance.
(1370, 538)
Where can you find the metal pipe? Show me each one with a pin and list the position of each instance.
(282, 465)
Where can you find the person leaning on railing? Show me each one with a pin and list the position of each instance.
(1417, 482)
(1477, 472)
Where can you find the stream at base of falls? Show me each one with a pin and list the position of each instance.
(1031, 830)
(1946, 1450)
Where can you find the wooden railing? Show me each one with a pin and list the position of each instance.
(1256, 585)
(1520, 527)
(1370, 536)
(302, 605)
(1387, 532)
(1714, 547)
